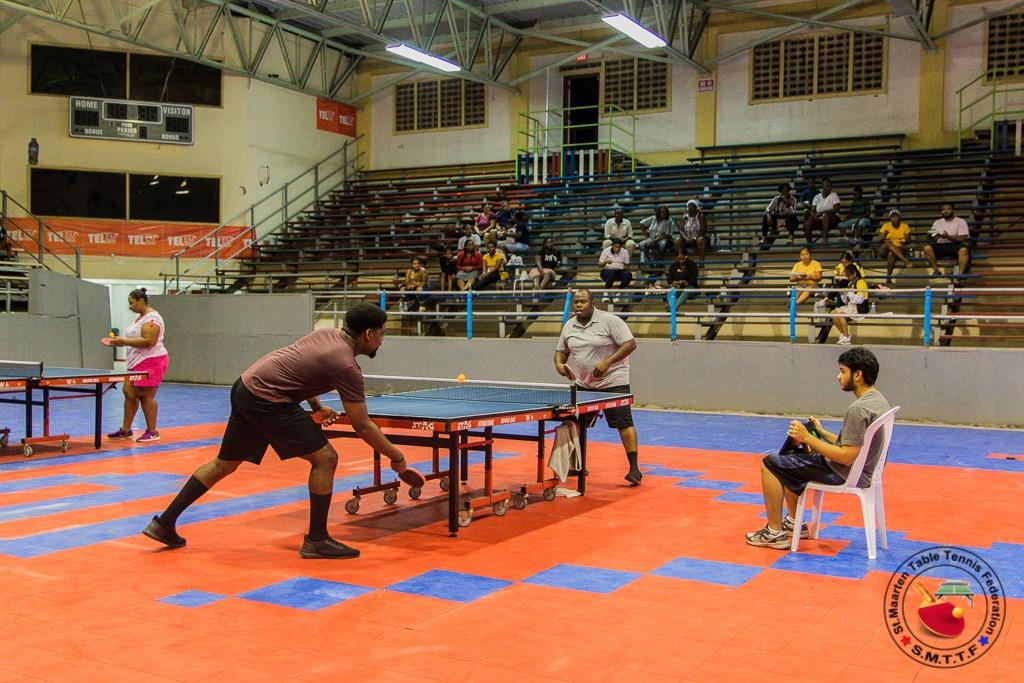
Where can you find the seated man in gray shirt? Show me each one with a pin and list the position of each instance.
(785, 475)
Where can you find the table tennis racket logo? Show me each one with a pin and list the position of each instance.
(945, 606)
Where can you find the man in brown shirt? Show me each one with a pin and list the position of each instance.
(266, 411)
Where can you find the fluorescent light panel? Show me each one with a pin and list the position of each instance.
(634, 30)
(409, 52)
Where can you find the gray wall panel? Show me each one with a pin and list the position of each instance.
(94, 323)
(51, 293)
(27, 337)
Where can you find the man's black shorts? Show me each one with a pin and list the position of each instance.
(946, 249)
(795, 470)
(255, 424)
(617, 418)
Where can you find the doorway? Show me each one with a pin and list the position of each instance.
(581, 130)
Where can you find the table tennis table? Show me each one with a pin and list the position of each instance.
(24, 379)
(459, 417)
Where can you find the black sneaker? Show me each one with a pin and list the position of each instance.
(327, 549)
(634, 476)
(158, 532)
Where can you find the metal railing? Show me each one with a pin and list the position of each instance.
(924, 317)
(990, 99)
(37, 247)
(537, 139)
(260, 220)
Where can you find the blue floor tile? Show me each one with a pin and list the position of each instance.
(710, 484)
(192, 599)
(590, 579)
(446, 585)
(656, 470)
(725, 573)
(741, 497)
(306, 593)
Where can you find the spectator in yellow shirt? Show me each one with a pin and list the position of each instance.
(855, 304)
(806, 275)
(894, 235)
(494, 267)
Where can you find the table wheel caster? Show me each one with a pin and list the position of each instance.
(415, 492)
(519, 500)
(391, 496)
(443, 483)
(500, 508)
(352, 505)
(549, 494)
(465, 517)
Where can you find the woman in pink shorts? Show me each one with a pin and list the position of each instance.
(144, 339)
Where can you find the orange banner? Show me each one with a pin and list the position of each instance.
(335, 117)
(125, 238)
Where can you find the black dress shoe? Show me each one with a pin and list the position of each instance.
(327, 549)
(158, 532)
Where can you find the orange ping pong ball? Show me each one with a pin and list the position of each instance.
(461, 378)
(958, 612)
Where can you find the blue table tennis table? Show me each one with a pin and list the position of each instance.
(460, 417)
(23, 380)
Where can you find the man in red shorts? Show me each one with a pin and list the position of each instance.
(266, 411)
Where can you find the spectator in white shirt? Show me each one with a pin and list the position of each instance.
(468, 234)
(824, 212)
(619, 228)
(614, 262)
(948, 238)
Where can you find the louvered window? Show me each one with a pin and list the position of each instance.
(818, 65)
(1006, 46)
(443, 103)
(405, 107)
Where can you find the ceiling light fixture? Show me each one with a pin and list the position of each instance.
(416, 55)
(634, 30)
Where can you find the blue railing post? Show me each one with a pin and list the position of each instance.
(469, 314)
(927, 321)
(383, 300)
(792, 315)
(565, 308)
(672, 319)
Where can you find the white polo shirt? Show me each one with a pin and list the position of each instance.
(587, 345)
(955, 227)
(823, 203)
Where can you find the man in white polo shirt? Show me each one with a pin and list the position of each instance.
(824, 212)
(948, 238)
(599, 344)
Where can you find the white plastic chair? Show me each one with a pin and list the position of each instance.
(871, 502)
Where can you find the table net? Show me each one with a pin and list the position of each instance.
(20, 370)
(483, 391)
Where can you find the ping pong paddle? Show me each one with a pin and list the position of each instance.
(938, 616)
(412, 477)
(107, 341)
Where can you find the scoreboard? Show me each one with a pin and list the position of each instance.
(92, 117)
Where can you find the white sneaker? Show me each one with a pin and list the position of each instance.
(844, 340)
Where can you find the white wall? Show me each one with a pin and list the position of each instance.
(965, 61)
(895, 111)
(490, 142)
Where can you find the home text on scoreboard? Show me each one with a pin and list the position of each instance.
(92, 117)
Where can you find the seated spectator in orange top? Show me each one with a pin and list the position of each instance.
(468, 234)
(415, 285)
(893, 236)
(693, 229)
(470, 264)
(824, 212)
(806, 274)
(948, 238)
(494, 267)
(448, 269)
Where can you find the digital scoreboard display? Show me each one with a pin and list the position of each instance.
(91, 117)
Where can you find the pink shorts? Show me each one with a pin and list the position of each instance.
(156, 367)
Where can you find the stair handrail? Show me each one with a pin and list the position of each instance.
(990, 92)
(42, 232)
(290, 204)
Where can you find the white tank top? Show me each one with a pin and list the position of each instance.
(137, 355)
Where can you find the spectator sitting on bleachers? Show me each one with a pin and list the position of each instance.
(693, 229)
(854, 303)
(448, 269)
(683, 276)
(830, 300)
(415, 285)
(659, 230)
(614, 262)
(468, 234)
(894, 235)
(858, 218)
(469, 263)
(782, 209)
(549, 260)
(948, 238)
(807, 196)
(6, 246)
(494, 267)
(824, 212)
(806, 275)
(517, 234)
(487, 223)
(504, 214)
(619, 227)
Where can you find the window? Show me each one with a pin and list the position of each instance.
(122, 76)
(70, 71)
(153, 78)
(174, 198)
(77, 194)
(635, 84)
(820, 65)
(1005, 46)
(619, 84)
(443, 103)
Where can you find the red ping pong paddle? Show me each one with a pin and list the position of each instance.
(107, 341)
(938, 616)
(412, 477)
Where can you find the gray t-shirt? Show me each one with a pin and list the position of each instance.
(858, 418)
(320, 362)
(587, 345)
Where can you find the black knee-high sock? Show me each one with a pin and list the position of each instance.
(189, 494)
(632, 457)
(319, 506)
